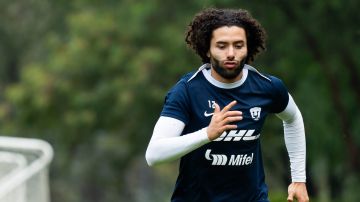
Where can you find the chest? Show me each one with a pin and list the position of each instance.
(253, 104)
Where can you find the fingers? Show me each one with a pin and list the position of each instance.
(229, 106)
(297, 190)
(228, 116)
(290, 197)
(299, 198)
(221, 120)
(217, 108)
(225, 116)
(230, 119)
(228, 127)
(232, 113)
(226, 109)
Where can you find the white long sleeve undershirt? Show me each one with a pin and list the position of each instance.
(167, 144)
(294, 135)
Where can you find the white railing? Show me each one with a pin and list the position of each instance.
(24, 166)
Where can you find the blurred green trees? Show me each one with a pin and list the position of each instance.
(90, 77)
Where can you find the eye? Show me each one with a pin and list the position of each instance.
(221, 46)
(239, 46)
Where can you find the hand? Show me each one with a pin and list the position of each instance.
(298, 191)
(221, 119)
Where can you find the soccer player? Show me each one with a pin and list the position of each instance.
(212, 118)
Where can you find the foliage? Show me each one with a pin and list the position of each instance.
(90, 78)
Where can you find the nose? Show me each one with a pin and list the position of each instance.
(230, 53)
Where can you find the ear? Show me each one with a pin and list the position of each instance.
(208, 54)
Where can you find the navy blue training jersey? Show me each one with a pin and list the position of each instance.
(230, 168)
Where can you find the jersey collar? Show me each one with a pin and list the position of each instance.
(212, 80)
(205, 69)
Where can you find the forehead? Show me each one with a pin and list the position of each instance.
(228, 34)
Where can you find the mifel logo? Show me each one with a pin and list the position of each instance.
(235, 160)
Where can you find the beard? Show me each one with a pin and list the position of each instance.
(227, 73)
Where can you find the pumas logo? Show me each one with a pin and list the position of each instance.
(255, 113)
(223, 160)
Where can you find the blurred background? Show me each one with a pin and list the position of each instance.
(90, 78)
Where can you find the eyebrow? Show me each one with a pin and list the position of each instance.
(225, 42)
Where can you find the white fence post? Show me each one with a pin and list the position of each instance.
(24, 169)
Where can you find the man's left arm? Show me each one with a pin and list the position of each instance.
(294, 134)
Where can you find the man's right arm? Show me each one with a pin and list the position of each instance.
(166, 144)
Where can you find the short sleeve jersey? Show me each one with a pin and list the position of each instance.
(229, 168)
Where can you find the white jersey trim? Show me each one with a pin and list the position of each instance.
(219, 84)
(204, 66)
(255, 70)
(206, 70)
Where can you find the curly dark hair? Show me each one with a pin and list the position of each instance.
(200, 30)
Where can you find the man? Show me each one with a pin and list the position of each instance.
(212, 118)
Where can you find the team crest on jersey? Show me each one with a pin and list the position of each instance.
(255, 113)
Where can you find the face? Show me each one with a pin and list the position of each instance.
(228, 50)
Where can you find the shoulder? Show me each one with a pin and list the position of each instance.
(276, 82)
(190, 77)
(265, 79)
(182, 83)
(186, 77)
(179, 91)
(273, 86)
(177, 100)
